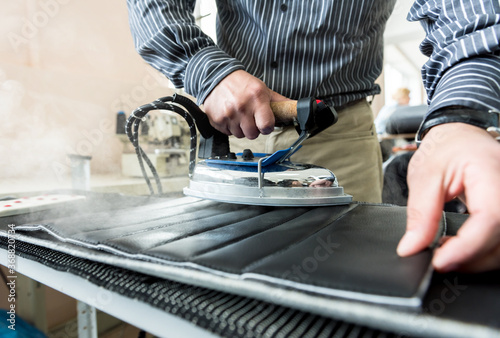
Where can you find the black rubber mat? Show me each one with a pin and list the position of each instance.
(221, 313)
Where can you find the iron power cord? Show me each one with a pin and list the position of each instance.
(177, 104)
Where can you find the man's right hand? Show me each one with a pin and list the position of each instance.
(240, 105)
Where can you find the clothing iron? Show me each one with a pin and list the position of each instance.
(247, 177)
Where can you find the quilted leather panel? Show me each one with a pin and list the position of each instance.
(320, 249)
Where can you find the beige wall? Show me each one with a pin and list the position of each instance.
(66, 68)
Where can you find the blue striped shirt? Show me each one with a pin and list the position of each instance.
(332, 50)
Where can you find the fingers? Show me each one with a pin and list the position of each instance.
(264, 119)
(247, 120)
(476, 247)
(424, 211)
(240, 105)
(465, 162)
(490, 261)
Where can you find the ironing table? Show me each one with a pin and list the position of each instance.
(188, 267)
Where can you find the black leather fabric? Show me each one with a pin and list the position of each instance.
(358, 253)
(320, 249)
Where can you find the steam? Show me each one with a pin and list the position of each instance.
(40, 129)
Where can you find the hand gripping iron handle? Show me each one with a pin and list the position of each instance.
(310, 116)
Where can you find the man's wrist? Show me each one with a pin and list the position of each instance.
(206, 69)
(478, 118)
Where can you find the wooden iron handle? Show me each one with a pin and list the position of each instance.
(285, 112)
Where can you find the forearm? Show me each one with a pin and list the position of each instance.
(456, 31)
(463, 70)
(167, 37)
(472, 83)
(467, 93)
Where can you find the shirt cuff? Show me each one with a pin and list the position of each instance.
(466, 93)
(473, 83)
(206, 69)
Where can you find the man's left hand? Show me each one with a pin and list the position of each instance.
(455, 159)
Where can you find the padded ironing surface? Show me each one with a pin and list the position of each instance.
(343, 251)
(336, 261)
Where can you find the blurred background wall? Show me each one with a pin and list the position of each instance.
(66, 68)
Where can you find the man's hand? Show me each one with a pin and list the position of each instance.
(455, 159)
(240, 105)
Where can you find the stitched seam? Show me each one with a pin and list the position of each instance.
(126, 250)
(293, 244)
(247, 236)
(208, 265)
(107, 213)
(217, 226)
(164, 226)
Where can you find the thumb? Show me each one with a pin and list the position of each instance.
(424, 212)
(275, 97)
(264, 118)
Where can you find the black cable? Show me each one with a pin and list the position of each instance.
(148, 161)
(139, 152)
(153, 171)
(142, 157)
(134, 138)
(188, 107)
(133, 134)
(177, 104)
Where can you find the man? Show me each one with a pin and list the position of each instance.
(277, 50)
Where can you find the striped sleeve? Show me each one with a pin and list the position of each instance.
(463, 45)
(166, 36)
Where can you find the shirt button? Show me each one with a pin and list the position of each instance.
(283, 7)
(274, 64)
